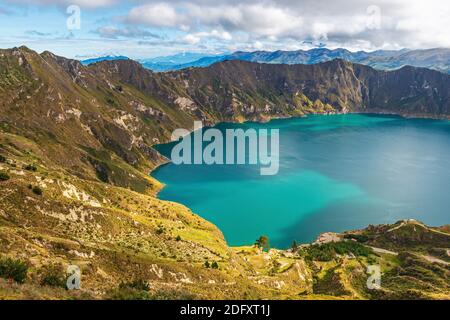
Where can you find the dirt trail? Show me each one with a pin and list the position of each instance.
(379, 250)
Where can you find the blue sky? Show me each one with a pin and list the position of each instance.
(149, 28)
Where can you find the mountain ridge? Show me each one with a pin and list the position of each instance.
(436, 58)
(126, 108)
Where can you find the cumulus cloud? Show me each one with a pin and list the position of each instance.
(260, 19)
(354, 24)
(368, 23)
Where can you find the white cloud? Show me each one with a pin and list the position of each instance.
(258, 19)
(191, 39)
(398, 23)
(194, 38)
(158, 15)
(354, 24)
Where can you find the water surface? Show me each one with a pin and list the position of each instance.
(336, 173)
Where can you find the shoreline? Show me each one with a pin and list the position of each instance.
(168, 161)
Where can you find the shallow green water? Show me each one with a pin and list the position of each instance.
(336, 173)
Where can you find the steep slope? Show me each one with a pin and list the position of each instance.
(256, 90)
(92, 125)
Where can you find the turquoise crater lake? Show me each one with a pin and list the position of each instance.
(336, 173)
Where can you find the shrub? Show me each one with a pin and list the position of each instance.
(13, 269)
(207, 265)
(215, 265)
(263, 242)
(53, 275)
(37, 190)
(160, 230)
(4, 176)
(2, 158)
(30, 167)
(178, 238)
(319, 253)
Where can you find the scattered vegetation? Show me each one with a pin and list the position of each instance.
(413, 278)
(140, 290)
(330, 284)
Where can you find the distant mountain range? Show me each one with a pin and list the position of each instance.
(436, 59)
(167, 63)
(103, 58)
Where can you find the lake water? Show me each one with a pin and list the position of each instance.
(336, 173)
